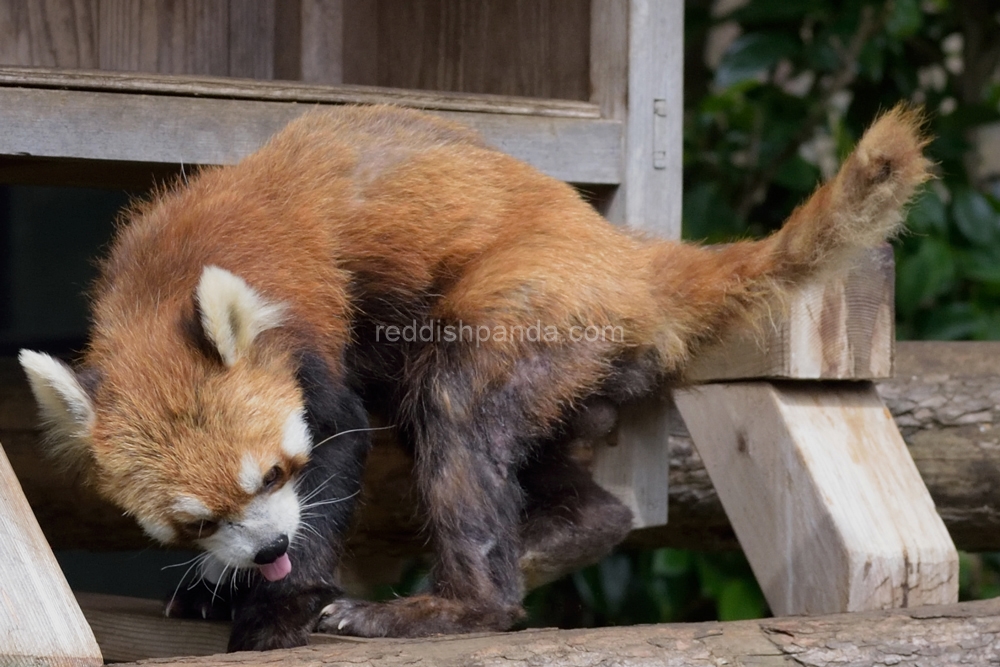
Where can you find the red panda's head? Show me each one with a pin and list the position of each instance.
(202, 449)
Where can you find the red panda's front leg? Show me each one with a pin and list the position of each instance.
(280, 614)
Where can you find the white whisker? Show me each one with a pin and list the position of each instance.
(353, 430)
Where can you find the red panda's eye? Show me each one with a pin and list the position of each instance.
(198, 529)
(272, 477)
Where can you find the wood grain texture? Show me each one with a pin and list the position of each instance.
(40, 621)
(49, 33)
(532, 48)
(189, 130)
(839, 328)
(823, 495)
(960, 634)
(252, 38)
(136, 629)
(164, 36)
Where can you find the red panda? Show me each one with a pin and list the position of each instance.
(244, 321)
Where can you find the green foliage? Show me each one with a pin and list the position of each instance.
(651, 587)
(794, 91)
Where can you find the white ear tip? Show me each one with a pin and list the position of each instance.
(41, 367)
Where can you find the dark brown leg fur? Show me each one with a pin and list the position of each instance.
(476, 419)
(570, 522)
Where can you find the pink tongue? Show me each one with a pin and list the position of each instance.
(279, 569)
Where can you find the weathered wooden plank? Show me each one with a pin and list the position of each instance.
(135, 629)
(636, 467)
(823, 495)
(838, 328)
(534, 48)
(184, 130)
(40, 621)
(163, 36)
(251, 38)
(48, 33)
(360, 41)
(645, 39)
(960, 634)
(219, 87)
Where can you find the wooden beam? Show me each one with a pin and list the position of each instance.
(637, 77)
(946, 400)
(636, 74)
(823, 495)
(635, 468)
(287, 91)
(40, 621)
(166, 129)
(838, 328)
(960, 634)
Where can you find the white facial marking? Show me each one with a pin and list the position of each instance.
(265, 518)
(251, 478)
(295, 438)
(191, 506)
(158, 530)
(233, 313)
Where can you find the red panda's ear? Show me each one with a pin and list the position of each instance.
(233, 313)
(65, 406)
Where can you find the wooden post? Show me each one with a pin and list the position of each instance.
(637, 73)
(823, 495)
(40, 621)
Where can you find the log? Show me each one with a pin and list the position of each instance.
(958, 634)
(946, 400)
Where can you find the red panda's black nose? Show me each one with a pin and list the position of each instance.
(272, 551)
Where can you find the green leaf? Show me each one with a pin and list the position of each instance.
(955, 321)
(672, 562)
(923, 275)
(975, 216)
(928, 214)
(752, 55)
(797, 174)
(772, 11)
(741, 599)
(981, 265)
(905, 18)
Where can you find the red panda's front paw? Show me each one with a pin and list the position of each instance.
(199, 601)
(351, 617)
(417, 616)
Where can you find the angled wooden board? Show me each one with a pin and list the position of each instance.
(823, 495)
(40, 621)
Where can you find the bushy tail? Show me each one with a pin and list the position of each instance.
(704, 290)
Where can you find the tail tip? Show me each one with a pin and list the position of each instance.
(893, 150)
